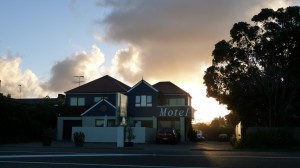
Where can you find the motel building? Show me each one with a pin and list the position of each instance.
(100, 107)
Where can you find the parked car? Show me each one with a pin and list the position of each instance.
(200, 136)
(166, 135)
(223, 137)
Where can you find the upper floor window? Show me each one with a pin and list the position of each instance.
(143, 101)
(77, 101)
(177, 102)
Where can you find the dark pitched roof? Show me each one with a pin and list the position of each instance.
(143, 82)
(105, 84)
(169, 88)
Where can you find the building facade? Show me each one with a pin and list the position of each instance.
(107, 102)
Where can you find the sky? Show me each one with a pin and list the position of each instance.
(44, 44)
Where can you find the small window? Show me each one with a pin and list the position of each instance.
(137, 101)
(143, 100)
(172, 102)
(96, 99)
(73, 101)
(180, 102)
(149, 101)
(99, 123)
(77, 101)
(81, 101)
(110, 123)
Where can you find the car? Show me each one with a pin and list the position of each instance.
(200, 136)
(223, 137)
(166, 135)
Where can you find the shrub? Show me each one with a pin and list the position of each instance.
(79, 138)
(269, 139)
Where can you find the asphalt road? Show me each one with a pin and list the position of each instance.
(143, 156)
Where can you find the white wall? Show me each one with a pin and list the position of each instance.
(98, 134)
(109, 134)
(143, 134)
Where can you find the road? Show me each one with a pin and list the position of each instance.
(142, 156)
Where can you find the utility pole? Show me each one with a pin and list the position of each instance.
(20, 89)
(79, 81)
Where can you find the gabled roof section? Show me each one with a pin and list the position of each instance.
(105, 84)
(97, 111)
(169, 88)
(143, 82)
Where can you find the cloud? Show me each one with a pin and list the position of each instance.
(87, 64)
(126, 63)
(11, 76)
(83, 63)
(173, 37)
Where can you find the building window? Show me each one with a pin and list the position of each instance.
(138, 101)
(143, 101)
(81, 101)
(177, 102)
(97, 99)
(111, 123)
(99, 123)
(149, 101)
(77, 101)
(73, 101)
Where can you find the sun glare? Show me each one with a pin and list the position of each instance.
(206, 108)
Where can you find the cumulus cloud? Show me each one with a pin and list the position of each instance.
(174, 37)
(126, 63)
(83, 63)
(11, 76)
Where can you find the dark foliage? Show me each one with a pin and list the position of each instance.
(256, 73)
(24, 123)
(212, 131)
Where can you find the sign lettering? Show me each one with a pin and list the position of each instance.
(174, 112)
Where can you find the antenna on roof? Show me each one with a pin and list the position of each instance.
(79, 81)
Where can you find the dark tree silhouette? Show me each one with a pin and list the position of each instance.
(257, 73)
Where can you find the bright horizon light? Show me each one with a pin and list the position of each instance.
(206, 108)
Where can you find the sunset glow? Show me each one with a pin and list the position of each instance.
(206, 108)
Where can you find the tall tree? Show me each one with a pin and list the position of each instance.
(256, 73)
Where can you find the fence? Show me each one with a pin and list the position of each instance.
(109, 134)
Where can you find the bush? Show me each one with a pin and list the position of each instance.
(269, 139)
(47, 137)
(79, 138)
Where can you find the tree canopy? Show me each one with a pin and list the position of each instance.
(256, 73)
